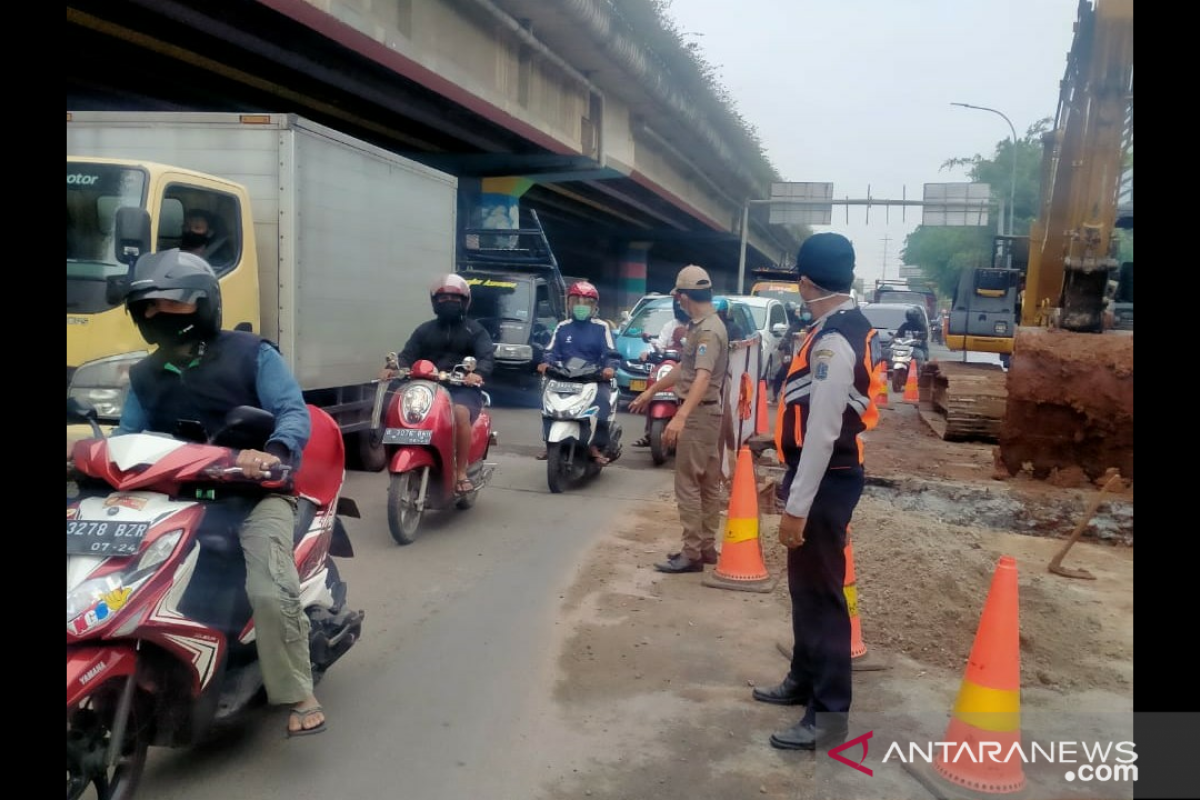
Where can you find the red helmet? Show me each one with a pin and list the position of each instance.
(584, 289)
(451, 284)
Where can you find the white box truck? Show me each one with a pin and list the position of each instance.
(323, 244)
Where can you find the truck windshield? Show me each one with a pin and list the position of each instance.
(493, 298)
(94, 193)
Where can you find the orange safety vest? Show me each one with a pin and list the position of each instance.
(861, 413)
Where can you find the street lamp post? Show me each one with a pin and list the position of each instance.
(1012, 186)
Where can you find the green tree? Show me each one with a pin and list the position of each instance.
(943, 253)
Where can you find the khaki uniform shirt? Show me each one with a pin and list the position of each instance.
(707, 347)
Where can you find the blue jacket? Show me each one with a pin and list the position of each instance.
(590, 340)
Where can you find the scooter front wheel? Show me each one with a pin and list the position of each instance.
(404, 516)
(89, 727)
(556, 467)
(658, 450)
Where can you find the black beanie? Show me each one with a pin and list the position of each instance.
(828, 261)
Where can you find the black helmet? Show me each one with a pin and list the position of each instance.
(913, 315)
(175, 275)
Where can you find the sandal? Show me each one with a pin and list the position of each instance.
(464, 486)
(303, 714)
(643, 442)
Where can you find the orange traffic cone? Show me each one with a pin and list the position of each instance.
(761, 425)
(911, 395)
(881, 399)
(988, 708)
(740, 565)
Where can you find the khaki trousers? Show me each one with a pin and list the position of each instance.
(280, 624)
(698, 480)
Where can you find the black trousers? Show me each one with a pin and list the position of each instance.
(816, 581)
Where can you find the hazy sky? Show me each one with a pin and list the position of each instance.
(858, 92)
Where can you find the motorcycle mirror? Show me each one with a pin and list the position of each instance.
(469, 363)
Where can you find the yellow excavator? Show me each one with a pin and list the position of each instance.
(1060, 315)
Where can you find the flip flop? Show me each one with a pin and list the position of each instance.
(599, 459)
(303, 713)
(464, 486)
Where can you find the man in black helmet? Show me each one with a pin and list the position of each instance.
(200, 372)
(446, 340)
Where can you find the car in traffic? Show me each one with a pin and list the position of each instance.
(769, 319)
(886, 318)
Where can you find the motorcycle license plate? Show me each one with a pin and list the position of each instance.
(637, 386)
(566, 387)
(104, 537)
(407, 436)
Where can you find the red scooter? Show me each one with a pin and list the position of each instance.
(663, 405)
(160, 637)
(418, 437)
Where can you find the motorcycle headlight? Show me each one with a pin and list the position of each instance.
(415, 403)
(104, 383)
(85, 595)
(159, 551)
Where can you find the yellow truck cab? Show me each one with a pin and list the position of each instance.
(102, 342)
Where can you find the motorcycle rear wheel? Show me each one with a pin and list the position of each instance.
(658, 450)
(89, 728)
(404, 518)
(899, 376)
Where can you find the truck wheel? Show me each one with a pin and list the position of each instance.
(404, 518)
(658, 451)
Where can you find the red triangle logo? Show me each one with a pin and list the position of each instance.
(834, 752)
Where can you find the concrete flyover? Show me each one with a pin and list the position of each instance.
(600, 122)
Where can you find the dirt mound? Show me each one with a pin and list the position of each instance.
(1070, 403)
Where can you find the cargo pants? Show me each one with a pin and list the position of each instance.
(281, 627)
(698, 480)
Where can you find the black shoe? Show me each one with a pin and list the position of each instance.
(787, 693)
(806, 736)
(708, 558)
(680, 563)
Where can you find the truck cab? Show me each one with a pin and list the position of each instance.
(519, 313)
(518, 293)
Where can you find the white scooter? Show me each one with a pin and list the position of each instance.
(569, 403)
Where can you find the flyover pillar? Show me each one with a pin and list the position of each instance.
(632, 274)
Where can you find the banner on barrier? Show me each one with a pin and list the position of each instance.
(741, 398)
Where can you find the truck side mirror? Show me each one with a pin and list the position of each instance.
(131, 237)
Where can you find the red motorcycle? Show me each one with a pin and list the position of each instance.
(418, 436)
(663, 405)
(160, 636)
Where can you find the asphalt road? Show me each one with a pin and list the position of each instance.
(442, 696)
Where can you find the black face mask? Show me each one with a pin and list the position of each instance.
(449, 311)
(171, 329)
(192, 241)
(680, 314)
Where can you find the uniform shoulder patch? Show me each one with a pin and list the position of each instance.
(701, 349)
(821, 372)
(823, 354)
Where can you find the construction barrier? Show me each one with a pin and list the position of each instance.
(741, 404)
(740, 565)
(761, 425)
